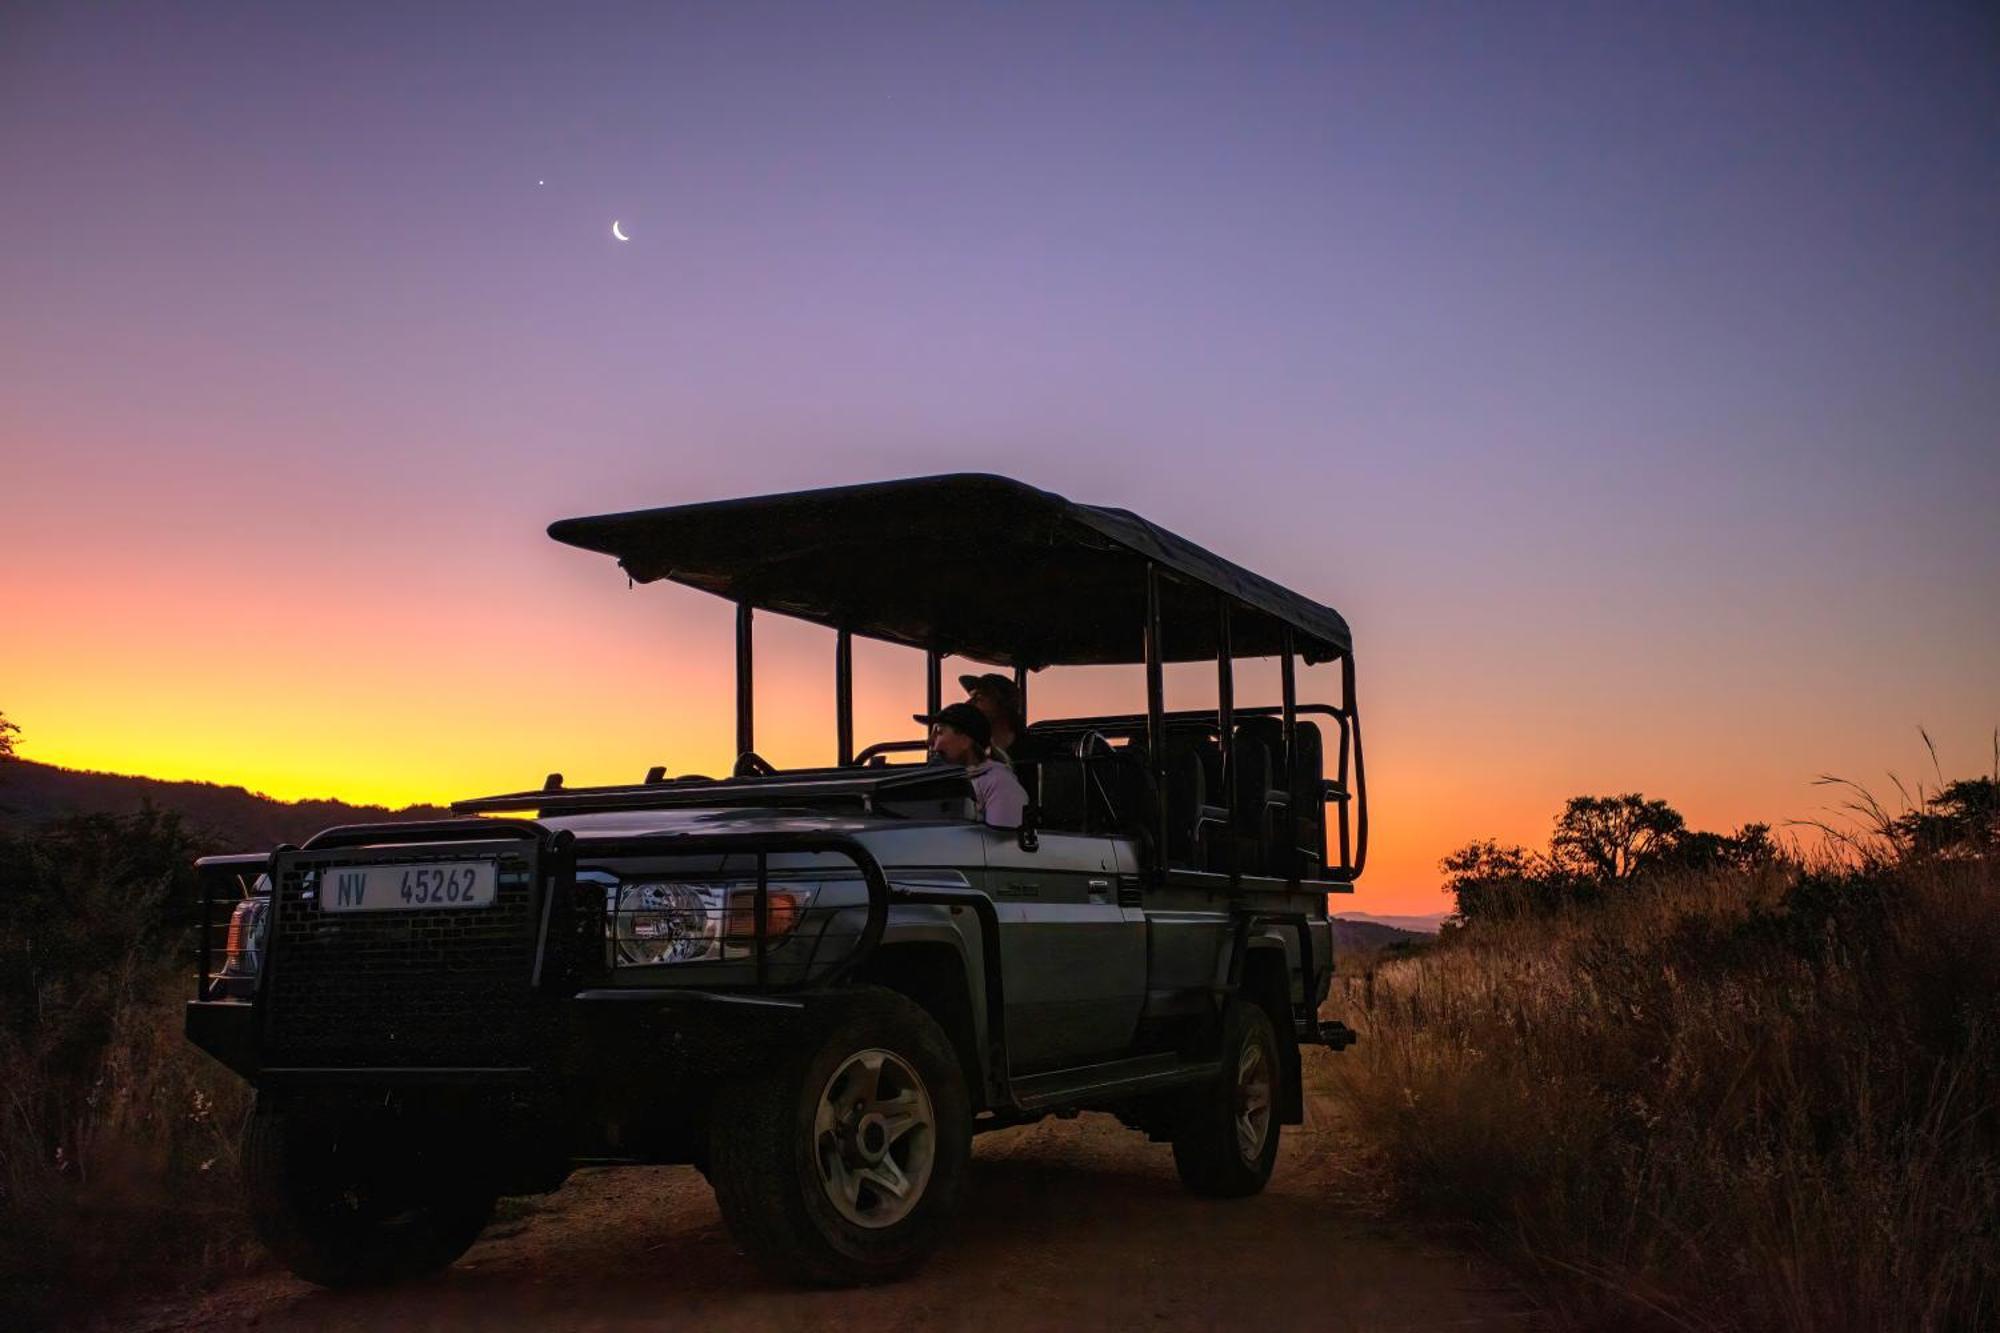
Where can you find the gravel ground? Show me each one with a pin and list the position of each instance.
(1066, 1224)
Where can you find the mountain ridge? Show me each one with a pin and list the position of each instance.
(1428, 923)
(236, 818)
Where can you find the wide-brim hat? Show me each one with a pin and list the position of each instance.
(1001, 687)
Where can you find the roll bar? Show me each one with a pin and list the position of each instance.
(1352, 822)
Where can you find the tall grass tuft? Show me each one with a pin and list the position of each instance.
(117, 1138)
(1763, 1100)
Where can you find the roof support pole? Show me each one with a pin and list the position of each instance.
(1156, 721)
(746, 728)
(1301, 802)
(933, 682)
(843, 697)
(1359, 798)
(1225, 726)
(1021, 689)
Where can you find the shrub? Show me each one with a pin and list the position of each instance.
(1742, 1099)
(117, 1139)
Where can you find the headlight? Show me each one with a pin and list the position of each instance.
(666, 923)
(686, 922)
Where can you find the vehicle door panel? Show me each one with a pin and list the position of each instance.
(1073, 962)
(1187, 930)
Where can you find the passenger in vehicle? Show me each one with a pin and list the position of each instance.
(960, 734)
(1000, 700)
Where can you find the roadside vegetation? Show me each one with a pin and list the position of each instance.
(1694, 1081)
(117, 1158)
(117, 1138)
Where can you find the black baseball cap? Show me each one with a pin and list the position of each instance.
(962, 717)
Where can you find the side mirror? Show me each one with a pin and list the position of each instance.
(1031, 820)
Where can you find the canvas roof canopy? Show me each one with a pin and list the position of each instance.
(970, 565)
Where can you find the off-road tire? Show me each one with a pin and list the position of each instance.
(307, 1202)
(765, 1151)
(1209, 1148)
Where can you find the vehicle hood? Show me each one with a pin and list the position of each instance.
(685, 822)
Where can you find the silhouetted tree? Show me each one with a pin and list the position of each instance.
(1598, 844)
(1487, 880)
(1962, 820)
(1749, 848)
(1614, 837)
(9, 733)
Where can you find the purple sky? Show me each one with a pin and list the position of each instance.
(1579, 357)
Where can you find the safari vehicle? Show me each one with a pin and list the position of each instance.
(817, 985)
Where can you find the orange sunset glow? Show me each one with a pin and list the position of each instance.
(311, 674)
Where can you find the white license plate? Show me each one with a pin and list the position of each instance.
(408, 888)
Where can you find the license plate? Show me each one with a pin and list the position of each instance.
(408, 888)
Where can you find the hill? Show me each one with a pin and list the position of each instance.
(227, 818)
(1427, 924)
(1351, 936)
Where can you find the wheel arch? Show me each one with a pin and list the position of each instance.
(931, 972)
(1267, 983)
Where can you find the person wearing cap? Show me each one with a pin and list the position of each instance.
(960, 734)
(1000, 700)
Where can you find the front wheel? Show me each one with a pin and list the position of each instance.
(843, 1162)
(345, 1202)
(1226, 1135)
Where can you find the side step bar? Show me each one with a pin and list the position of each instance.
(1116, 1078)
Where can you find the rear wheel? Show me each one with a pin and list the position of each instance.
(1226, 1132)
(843, 1162)
(345, 1204)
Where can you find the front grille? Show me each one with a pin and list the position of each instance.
(429, 987)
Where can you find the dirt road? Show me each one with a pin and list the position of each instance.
(1075, 1224)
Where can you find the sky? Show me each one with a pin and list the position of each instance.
(1628, 376)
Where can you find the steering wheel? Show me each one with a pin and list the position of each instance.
(1094, 745)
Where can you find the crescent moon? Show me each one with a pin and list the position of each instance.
(616, 232)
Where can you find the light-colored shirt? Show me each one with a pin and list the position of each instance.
(1001, 799)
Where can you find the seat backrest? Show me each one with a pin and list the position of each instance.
(1268, 732)
(1030, 778)
(1134, 791)
(1105, 797)
(1187, 793)
(1308, 804)
(1062, 796)
(1253, 763)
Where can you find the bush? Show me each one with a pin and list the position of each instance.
(1599, 847)
(117, 1156)
(1745, 1099)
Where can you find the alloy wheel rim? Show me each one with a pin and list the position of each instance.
(1253, 1100)
(874, 1138)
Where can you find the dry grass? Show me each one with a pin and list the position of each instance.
(125, 1181)
(117, 1156)
(1723, 1101)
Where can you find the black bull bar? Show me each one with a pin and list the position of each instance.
(562, 990)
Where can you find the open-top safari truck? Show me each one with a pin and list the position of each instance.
(816, 985)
